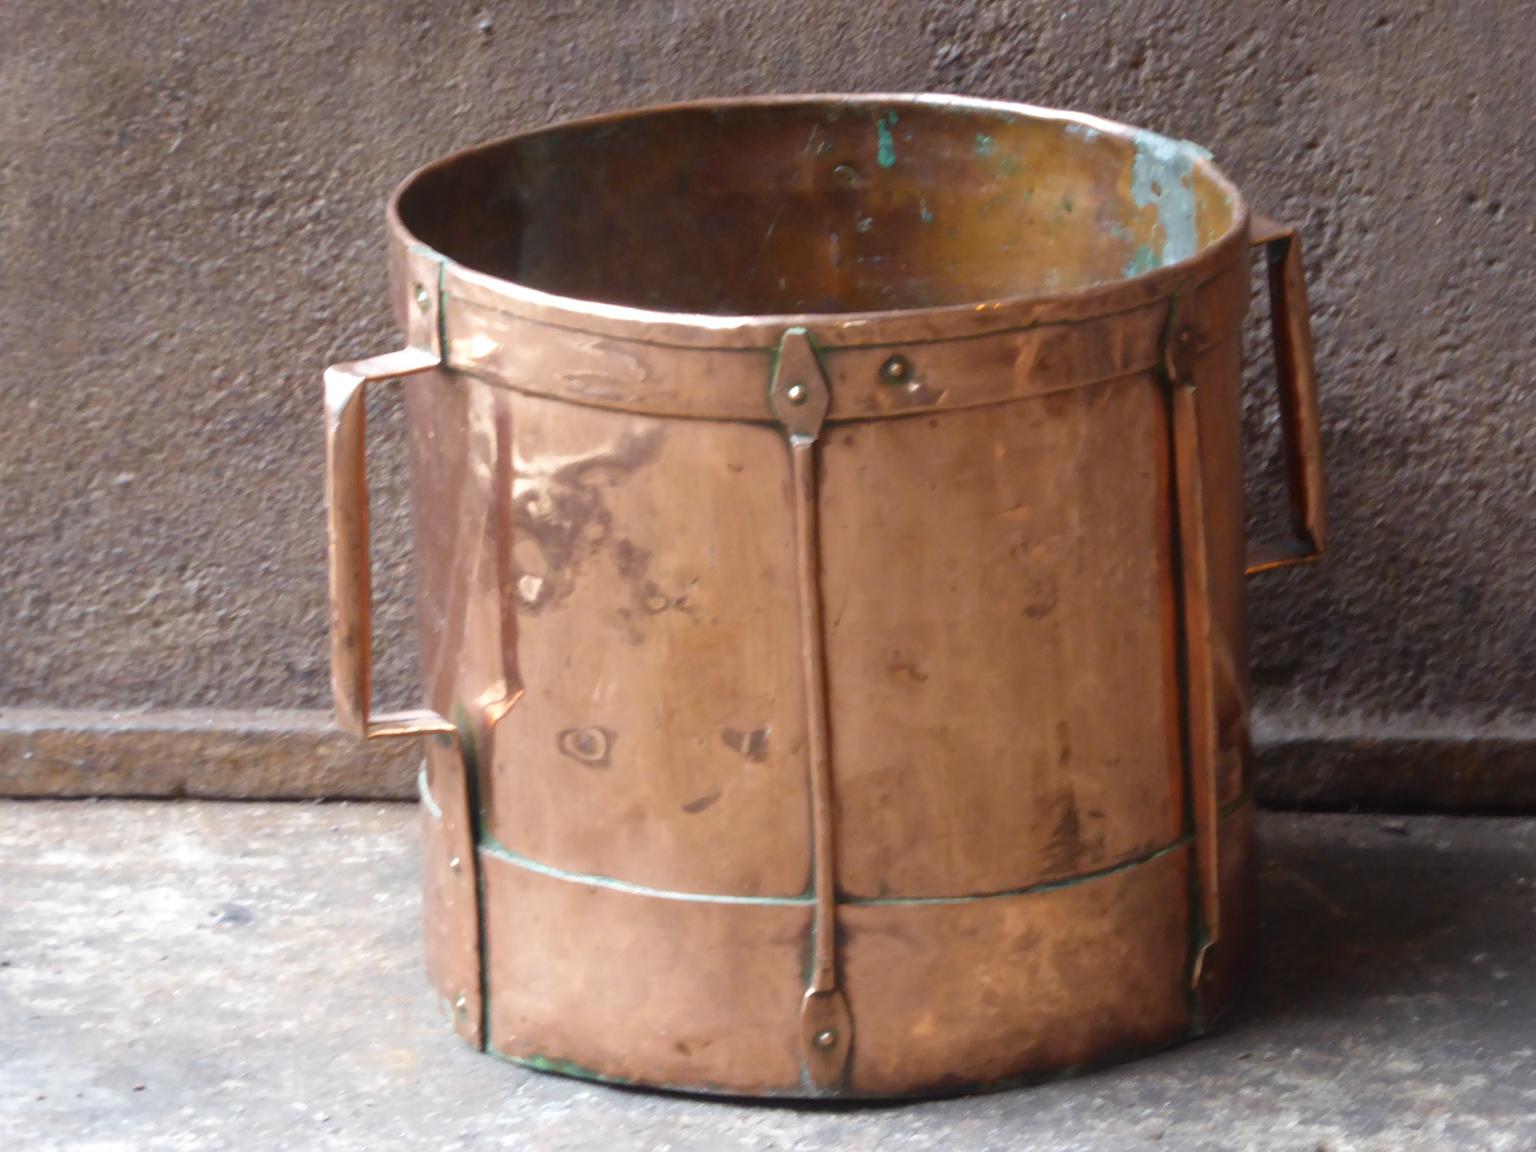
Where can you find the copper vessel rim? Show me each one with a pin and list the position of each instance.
(840, 328)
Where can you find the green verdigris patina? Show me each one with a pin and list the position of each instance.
(1161, 177)
(885, 154)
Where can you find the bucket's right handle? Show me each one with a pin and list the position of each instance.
(1297, 383)
(346, 499)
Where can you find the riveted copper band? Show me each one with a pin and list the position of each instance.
(543, 357)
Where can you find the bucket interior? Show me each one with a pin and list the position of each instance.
(820, 206)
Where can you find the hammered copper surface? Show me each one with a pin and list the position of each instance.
(958, 993)
(634, 986)
(1030, 545)
(648, 565)
(830, 564)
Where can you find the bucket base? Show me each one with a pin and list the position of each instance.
(609, 982)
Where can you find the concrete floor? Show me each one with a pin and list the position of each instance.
(189, 976)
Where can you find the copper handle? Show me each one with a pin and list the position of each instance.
(1297, 383)
(346, 499)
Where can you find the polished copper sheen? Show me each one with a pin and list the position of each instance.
(829, 546)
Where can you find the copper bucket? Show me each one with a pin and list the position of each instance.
(829, 548)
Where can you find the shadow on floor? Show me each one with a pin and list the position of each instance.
(1357, 911)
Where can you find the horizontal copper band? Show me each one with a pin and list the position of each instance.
(545, 358)
(808, 898)
(590, 983)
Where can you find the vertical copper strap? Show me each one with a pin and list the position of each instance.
(798, 398)
(807, 555)
(1195, 607)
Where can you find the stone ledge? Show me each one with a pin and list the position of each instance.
(1378, 764)
(1396, 764)
(270, 755)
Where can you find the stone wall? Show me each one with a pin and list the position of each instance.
(190, 200)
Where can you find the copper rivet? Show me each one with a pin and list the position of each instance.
(796, 394)
(825, 1038)
(423, 300)
(896, 370)
(455, 864)
(845, 174)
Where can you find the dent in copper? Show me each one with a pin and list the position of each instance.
(828, 533)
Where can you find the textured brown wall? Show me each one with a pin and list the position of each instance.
(190, 198)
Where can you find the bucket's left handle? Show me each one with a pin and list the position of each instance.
(1299, 425)
(346, 498)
